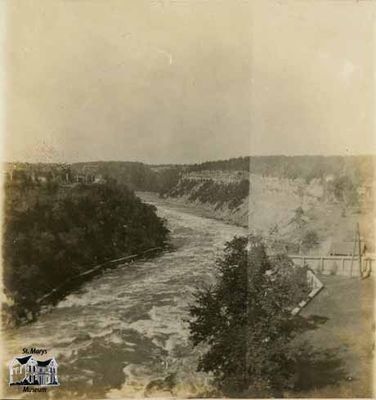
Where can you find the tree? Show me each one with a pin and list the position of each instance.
(310, 240)
(244, 319)
(344, 190)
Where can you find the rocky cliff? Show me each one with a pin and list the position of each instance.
(291, 210)
(219, 194)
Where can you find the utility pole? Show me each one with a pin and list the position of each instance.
(359, 249)
(353, 253)
(248, 310)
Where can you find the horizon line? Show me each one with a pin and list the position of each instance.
(191, 162)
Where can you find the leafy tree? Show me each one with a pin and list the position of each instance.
(244, 320)
(345, 190)
(310, 240)
(298, 218)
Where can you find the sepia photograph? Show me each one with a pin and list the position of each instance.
(187, 199)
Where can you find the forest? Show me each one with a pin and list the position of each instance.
(136, 175)
(54, 233)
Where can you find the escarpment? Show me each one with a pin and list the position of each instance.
(221, 195)
(282, 208)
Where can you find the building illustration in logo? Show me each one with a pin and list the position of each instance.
(29, 371)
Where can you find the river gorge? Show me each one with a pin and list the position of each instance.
(124, 333)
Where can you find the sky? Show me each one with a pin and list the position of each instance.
(180, 81)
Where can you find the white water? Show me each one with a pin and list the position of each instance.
(126, 328)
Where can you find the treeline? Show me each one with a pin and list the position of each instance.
(232, 164)
(209, 191)
(53, 235)
(136, 175)
(342, 175)
(356, 168)
(143, 177)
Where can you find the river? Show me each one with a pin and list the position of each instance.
(126, 329)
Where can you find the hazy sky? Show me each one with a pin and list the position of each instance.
(181, 81)
(313, 77)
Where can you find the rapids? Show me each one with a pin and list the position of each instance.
(124, 333)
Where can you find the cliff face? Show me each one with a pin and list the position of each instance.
(221, 196)
(285, 209)
(246, 199)
(274, 201)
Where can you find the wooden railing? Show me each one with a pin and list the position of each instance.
(337, 265)
(95, 269)
(316, 285)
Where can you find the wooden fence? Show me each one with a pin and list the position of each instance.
(94, 270)
(315, 285)
(337, 265)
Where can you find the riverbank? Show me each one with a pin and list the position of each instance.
(274, 217)
(49, 300)
(179, 204)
